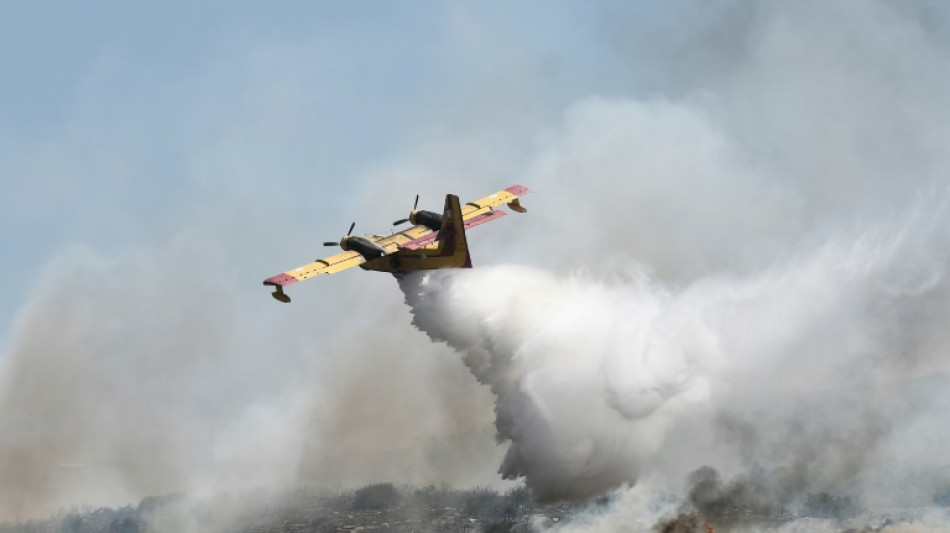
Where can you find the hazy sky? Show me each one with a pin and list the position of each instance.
(114, 119)
(122, 124)
(158, 162)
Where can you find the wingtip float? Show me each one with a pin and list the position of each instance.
(434, 241)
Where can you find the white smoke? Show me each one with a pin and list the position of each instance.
(740, 222)
(804, 362)
(583, 374)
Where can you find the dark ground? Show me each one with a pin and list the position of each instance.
(379, 508)
(388, 508)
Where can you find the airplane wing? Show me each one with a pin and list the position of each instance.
(430, 238)
(345, 260)
(418, 236)
(391, 243)
(484, 205)
(473, 213)
(330, 265)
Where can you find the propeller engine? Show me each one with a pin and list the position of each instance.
(343, 240)
(411, 213)
(431, 220)
(363, 246)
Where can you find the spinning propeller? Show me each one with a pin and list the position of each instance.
(404, 220)
(347, 234)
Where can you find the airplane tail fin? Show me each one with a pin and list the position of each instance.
(452, 240)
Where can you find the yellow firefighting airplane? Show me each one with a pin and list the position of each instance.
(434, 241)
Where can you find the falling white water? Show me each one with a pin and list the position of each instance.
(805, 361)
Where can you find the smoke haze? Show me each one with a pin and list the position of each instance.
(796, 379)
(731, 289)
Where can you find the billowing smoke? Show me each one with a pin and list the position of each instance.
(796, 380)
(732, 296)
(583, 374)
(796, 368)
(767, 336)
(128, 379)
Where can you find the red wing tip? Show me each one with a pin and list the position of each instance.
(518, 190)
(280, 279)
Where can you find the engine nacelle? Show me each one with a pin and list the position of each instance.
(365, 247)
(428, 219)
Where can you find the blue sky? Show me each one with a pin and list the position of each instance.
(105, 108)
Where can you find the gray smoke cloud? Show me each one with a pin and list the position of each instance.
(793, 367)
(775, 290)
(554, 354)
(735, 259)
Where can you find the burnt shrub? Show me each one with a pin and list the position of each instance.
(375, 497)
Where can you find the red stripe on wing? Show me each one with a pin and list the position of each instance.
(280, 279)
(483, 218)
(420, 242)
